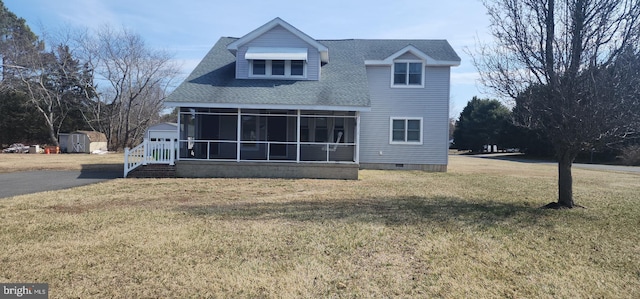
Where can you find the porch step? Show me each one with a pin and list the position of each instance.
(153, 171)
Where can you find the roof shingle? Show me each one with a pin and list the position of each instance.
(343, 80)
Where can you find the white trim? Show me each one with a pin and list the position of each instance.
(407, 85)
(267, 53)
(428, 63)
(324, 51)
(391, 141)
(298, 136)
(178, 126)
(265, 106)
(357, 149)
(238, 134)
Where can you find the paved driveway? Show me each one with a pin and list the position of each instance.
(518, 158)
(634, 169)
(26, 182)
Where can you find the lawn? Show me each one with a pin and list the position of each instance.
(27, 162)
(473, 232)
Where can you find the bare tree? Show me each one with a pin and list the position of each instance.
(54, 83)
(132, 83)
(558, 57)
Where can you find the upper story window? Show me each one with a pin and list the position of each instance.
(408, 74)
(277, 68)
(259, 67)
(297, 68)
(265, 62)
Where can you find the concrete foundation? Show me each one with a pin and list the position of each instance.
(213, 169)
(389, 166)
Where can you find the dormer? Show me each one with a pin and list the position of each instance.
(277, 50)
(408, 67)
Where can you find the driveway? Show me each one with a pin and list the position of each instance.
(600, 167)
(27, 182)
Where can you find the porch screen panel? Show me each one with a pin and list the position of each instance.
(187, 133)
(253, 130)
(228, 135)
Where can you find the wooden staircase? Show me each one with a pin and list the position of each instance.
(153, 171)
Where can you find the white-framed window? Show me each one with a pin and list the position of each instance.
(408, 73)
(405, 130)
(260, 68)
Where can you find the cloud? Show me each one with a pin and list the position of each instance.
(86, 13)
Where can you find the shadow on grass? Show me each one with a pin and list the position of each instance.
(101, 171)
(390, 211)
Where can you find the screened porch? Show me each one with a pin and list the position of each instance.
(256, 135)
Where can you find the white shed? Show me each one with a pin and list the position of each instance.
(86, 142)
(162, 132)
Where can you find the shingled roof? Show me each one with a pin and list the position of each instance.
(343, 83)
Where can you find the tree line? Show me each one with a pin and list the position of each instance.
(107, 80)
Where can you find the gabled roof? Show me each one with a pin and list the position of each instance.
(343, 84)
(233, 47)
(445, 60)
(381, 49)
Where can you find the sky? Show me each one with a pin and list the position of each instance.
(189, 28)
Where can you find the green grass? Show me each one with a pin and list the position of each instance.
(476, 231)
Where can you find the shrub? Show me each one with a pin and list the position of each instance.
(630, 155)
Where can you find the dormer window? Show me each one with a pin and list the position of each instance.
(275, 63)
(297, 68)
(408, 74)
(277, 68)
(259, 67)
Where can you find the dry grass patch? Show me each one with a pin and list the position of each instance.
(461, 234)
(28, 162)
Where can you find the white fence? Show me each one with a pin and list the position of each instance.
(149, 152)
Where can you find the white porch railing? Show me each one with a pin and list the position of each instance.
(149, 152)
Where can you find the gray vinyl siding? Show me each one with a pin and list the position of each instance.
(281, 38)
(431, 103)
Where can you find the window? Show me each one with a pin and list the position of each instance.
(277, 68)
(260, 67)
(407, 74)
(406, 130)
(297, 68)
(400, 73)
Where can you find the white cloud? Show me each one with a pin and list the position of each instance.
(86, 13)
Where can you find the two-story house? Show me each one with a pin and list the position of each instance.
(278, 103)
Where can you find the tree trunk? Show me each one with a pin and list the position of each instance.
(565, 180)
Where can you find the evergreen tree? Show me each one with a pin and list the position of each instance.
(482, 122)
